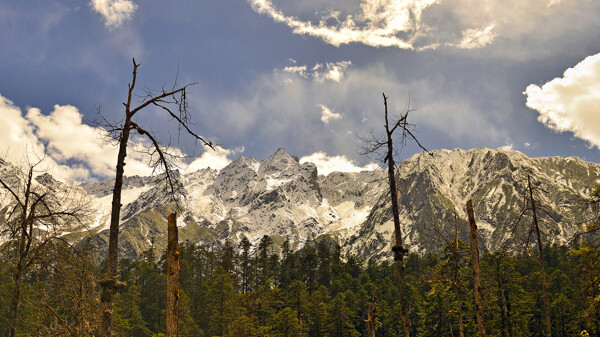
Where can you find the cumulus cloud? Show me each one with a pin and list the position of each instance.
(72, 149)
(571, 103)
(327, 114)
(17, 138)
(327, 164)
(115, 12)
(75, 150)
(426, 24)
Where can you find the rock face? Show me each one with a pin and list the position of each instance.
(287, 200)
(434, 188)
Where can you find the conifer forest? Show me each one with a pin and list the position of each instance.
(236, 291)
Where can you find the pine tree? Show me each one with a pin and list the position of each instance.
(339, 318)
(287, 324)
(507, 303)
(127, 318)
(223, 303)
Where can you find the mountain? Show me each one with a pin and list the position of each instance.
(284, 199)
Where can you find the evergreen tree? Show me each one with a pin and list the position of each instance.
(223, 303)
(127, 319)
(245, 265)
(507, 303)
(287, 324)
(339, 318)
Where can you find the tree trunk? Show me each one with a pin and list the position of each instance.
(543, 270)
(16, 300)
(110, 284)
(476, 271)
(172, 277)
(398, 248)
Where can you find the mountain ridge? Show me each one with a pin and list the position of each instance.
(287, 200)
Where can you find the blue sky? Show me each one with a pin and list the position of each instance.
(303, 75)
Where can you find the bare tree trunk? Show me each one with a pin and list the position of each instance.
(110, 283)
(16, 301)
(398, 248)
(475, 262)
(543, 269)
(172, 277)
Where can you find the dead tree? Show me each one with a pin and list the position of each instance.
(173, 102)
(32, 218)
(385, 145)
(476, 269)
(532, 208)
(172, 276)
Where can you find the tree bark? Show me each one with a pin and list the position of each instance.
(16, 301)
(398, 248)
(172, 277)
(476, 270)
(543, 270)
(110, 284)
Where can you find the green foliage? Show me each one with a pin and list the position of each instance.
(315, 292)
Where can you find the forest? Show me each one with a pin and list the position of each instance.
(235, 290)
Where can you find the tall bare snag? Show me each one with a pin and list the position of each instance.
(476, 269)
(174, 103)
(385, 144)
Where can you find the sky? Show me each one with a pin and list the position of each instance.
(307, 76)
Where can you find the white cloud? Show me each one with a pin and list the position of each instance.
(476, 38)
(327, 164)
(327, 114)
(17, 138)
(115, 12)
(333, 71)
(571, 103)
(215, 159)
(378, 24)
(300, 70)
(426, 24)
(19, 144)
(75, 150)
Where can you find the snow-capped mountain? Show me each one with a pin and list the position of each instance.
(284, 199)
